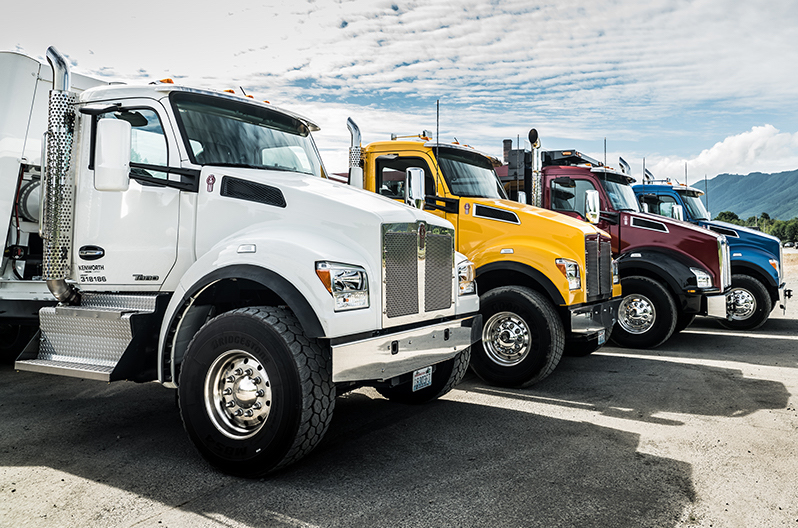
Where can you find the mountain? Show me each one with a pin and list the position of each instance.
(751, 195)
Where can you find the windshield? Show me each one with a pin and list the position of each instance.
(469, 174)
(694, 205)
(621, 195)
(219, 131)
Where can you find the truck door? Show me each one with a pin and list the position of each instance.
(129, 239)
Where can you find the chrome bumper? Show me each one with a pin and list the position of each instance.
(586, 320)
(387, 356)
(716, 305)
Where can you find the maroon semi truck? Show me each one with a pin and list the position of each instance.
(670, 270)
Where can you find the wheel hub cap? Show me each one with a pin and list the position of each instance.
(636, 314)
(741, 304)
(506, 338)
(238, 395)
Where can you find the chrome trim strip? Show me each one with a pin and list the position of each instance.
(373, 358)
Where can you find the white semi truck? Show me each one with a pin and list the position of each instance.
(187, 236)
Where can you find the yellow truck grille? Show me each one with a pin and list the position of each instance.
(598, 261)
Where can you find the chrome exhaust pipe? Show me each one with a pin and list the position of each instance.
(355, 168)
(58, 183)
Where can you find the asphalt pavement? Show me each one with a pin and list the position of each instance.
(702, 431)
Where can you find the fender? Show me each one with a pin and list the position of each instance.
(178, 306)
(673, 269)
(535, 275)
(756, 263)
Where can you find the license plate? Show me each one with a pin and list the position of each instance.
(422, 378)
(602, 337)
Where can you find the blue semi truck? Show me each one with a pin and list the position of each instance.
(756, 258)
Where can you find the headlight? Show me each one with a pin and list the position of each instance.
(703, 279)
(616, 273)
(570, 269)
(466, 278)
(348, 284)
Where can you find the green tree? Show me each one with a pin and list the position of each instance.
(728, 216)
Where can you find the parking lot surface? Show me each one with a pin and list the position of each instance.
(702, 431)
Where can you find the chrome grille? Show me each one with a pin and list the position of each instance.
(725, 263)
(418, 271)
(598, 263)
(401, 274)
(438, 273)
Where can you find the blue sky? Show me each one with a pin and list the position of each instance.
(710, 83)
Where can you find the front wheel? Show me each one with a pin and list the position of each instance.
(749, 304)
(445, 376)
(255, 394)
(646, 315)
(522, 337)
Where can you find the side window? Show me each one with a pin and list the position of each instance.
(390, 177)
(665, 205)
(148, 142)
(570, 198)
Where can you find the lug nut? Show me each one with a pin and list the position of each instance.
(230, 379)
(257, 405)
(257, 380)
(230, 404)
(228, 391)
(249, 413)
(238, 371)
(248, 372)
(239, 412)
(260, 393)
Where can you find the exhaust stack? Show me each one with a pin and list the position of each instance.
(355, 168)
(58, 182)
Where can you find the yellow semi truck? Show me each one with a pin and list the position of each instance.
(548, 284)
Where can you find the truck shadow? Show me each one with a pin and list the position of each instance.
(446, 463)
(772, 345)
(639, 387)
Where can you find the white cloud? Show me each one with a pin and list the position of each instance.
(762, 149)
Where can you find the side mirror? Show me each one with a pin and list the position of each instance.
(644, 206)
(414, 187)
(521, 197)
(677, 212)
(112, 155)
(592, 206)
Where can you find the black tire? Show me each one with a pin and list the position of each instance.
(280, 380)
(13, 339)
(581, 347)
(445, 376)
(683, 320)
(752, 304)
(533, 337)
(646, 316)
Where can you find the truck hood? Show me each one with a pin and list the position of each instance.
(739, 234)
(529, 214)
(335, 202)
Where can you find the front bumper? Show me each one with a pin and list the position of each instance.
(593, 318)
(388, 356)
(716, 305)
(784, 294)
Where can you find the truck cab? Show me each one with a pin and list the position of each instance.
(191, 237)
(756, 258)
(670, 270)
(547, 282)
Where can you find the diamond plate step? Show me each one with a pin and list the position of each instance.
(91, 340)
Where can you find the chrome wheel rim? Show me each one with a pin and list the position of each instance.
(238, 395)
(506, 339)
(636, 314)
(741, 304)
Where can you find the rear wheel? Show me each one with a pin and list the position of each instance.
(445, 376)
(749, 302)
(646, 315)
(522, 337)
(255, 394)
